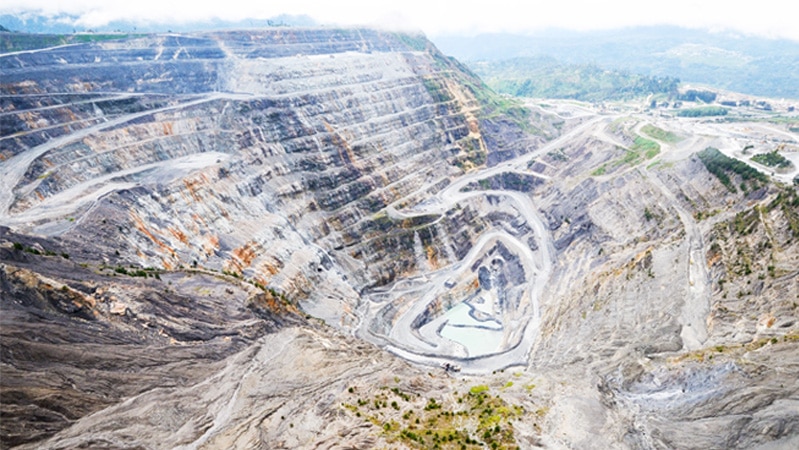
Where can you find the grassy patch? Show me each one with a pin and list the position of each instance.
(642, 149)
(660, 134)
(649, 148)
(599, 170)
(478, 420)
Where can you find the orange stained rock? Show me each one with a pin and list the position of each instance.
(211, 244)
(268, 268)
(713, 259)
(199, 219)
(246, 253)
(167, 128)
(179, 235)
(475, 283)
(233, 265)
(191, 186)
(432, 257)
(139, 223)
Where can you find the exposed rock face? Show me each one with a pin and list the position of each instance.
(182, 211)
(233, 150)
(76, 341)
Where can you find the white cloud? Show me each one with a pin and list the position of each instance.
(435, 17)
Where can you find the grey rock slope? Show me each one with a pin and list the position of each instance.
(275, 239)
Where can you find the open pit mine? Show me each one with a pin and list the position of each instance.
(341, 238)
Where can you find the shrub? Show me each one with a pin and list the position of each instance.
(722, 165)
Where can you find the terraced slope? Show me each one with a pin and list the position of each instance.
(281, 239)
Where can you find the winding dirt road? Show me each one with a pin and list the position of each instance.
(426, 345)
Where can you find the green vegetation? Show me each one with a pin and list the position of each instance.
(648, 147)
(415, 42)
(599, 170)
(692, 95)
(495, 105)
(467, 92)
(271, 291)
(546, 78)
(437, 90)
(479, 389)
(16, 42)
(773, 159)
(745, 222)
(788, 201)
(722, 166)
(477, 420)
(18, 246)
(659, 134)
(134, 272)
(641, 150)
(703, 111)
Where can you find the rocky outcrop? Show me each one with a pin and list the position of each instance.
(76, 339)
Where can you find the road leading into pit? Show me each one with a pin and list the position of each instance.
(409, 343)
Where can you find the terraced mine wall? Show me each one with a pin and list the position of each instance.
(232, 151)
(198, 233)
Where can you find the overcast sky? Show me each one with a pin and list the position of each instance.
(772, 18)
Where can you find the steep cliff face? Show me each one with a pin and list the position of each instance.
(236, 151)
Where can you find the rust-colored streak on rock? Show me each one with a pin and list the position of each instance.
(245, 254)
(191, 186)
(475, 284)
(275, 304)
(167, 126)
(139, 223)
(179, 235)
(211, 244)
(198, 219)
(713, 259)
(344, 150)
(432, 257)
(269, 269)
